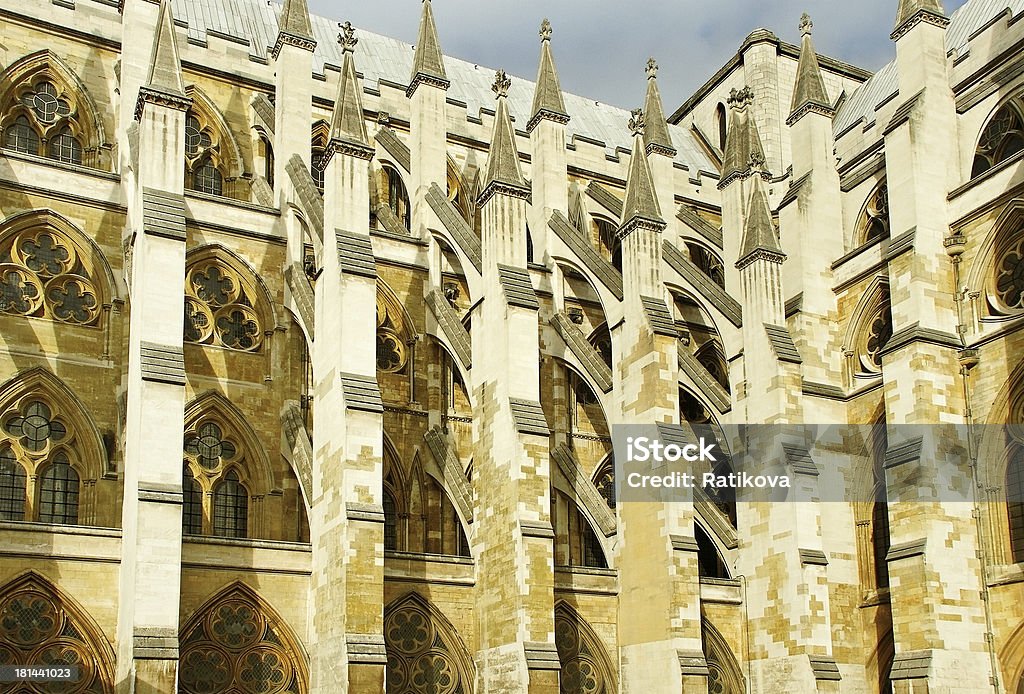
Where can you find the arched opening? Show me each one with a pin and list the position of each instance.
(873, 222)
(709, 562)
(1001, 138)
(425, 652)
(722, 121)
(237, 642)
(40, 625)
(586, 666)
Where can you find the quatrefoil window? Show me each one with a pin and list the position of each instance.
(219, 308)
(391, 347)
(43, 275)
(209, 447)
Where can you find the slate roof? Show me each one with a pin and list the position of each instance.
(255, 22)
(862, 103)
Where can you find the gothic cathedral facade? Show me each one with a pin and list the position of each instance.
(213, 480)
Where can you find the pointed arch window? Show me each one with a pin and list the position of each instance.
(390, 522)
(1002, 137)
(1015, 503)
(192, 504)
(722, 126)
(237, 644)
(12, 487)
(398, 198)
(43, 120)
(216, 497)
(393, 332)
(35, 445)
(1006, 283)
(424, 651)
(44, 274)
(708, 263)
(874, 218)
(58, 492)
(220, 306)
(611, 247)
(202, 156)
(230, 507)
(585, 665)
(21, 136)
(39, 625)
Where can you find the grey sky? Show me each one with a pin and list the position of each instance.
(601, 46)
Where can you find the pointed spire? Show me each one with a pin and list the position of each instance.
(578, 210)
(165, 63)
(759, 239)
(641, 205)
(547, 95)
(428, 62)
(503, 173)
(294, 27)
(744, 153)
(165, 85)
(656, 135)
(809, 93)
(912, 12)
(348, 127)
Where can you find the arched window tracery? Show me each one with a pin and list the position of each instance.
(585, 664)
(394, 332)
(873, 223)
(1005, 289)
(202, 156)
(425, 653)
(223, 306)
(44, 273)
(708, 263)
(236, 643)
(39, 625)
(225, 474)
(43, 120)
(1001, 138)
(37, 444)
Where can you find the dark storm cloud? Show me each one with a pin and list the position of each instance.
(601, 47)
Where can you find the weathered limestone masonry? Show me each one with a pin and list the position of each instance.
(547, 144)
(155, 247)
(661, 153)
(940, 642)
(791, 644)
(347, 515)
(515, 599)
(660, 648)
(428, 127)
(293, 88)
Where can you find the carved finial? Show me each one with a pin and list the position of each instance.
(739, 98)
(652, 68)
(347, 37)
(501, 84)
(637, 123)
(806, 25)
(545, 30)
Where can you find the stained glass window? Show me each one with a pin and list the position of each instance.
(58, 493)
(230, 507)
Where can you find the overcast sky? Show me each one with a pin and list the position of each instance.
(601, 46)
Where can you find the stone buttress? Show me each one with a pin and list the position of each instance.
(155, 265)
(940, 641)
(347, 523)
(515, 575)
(660, 640)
